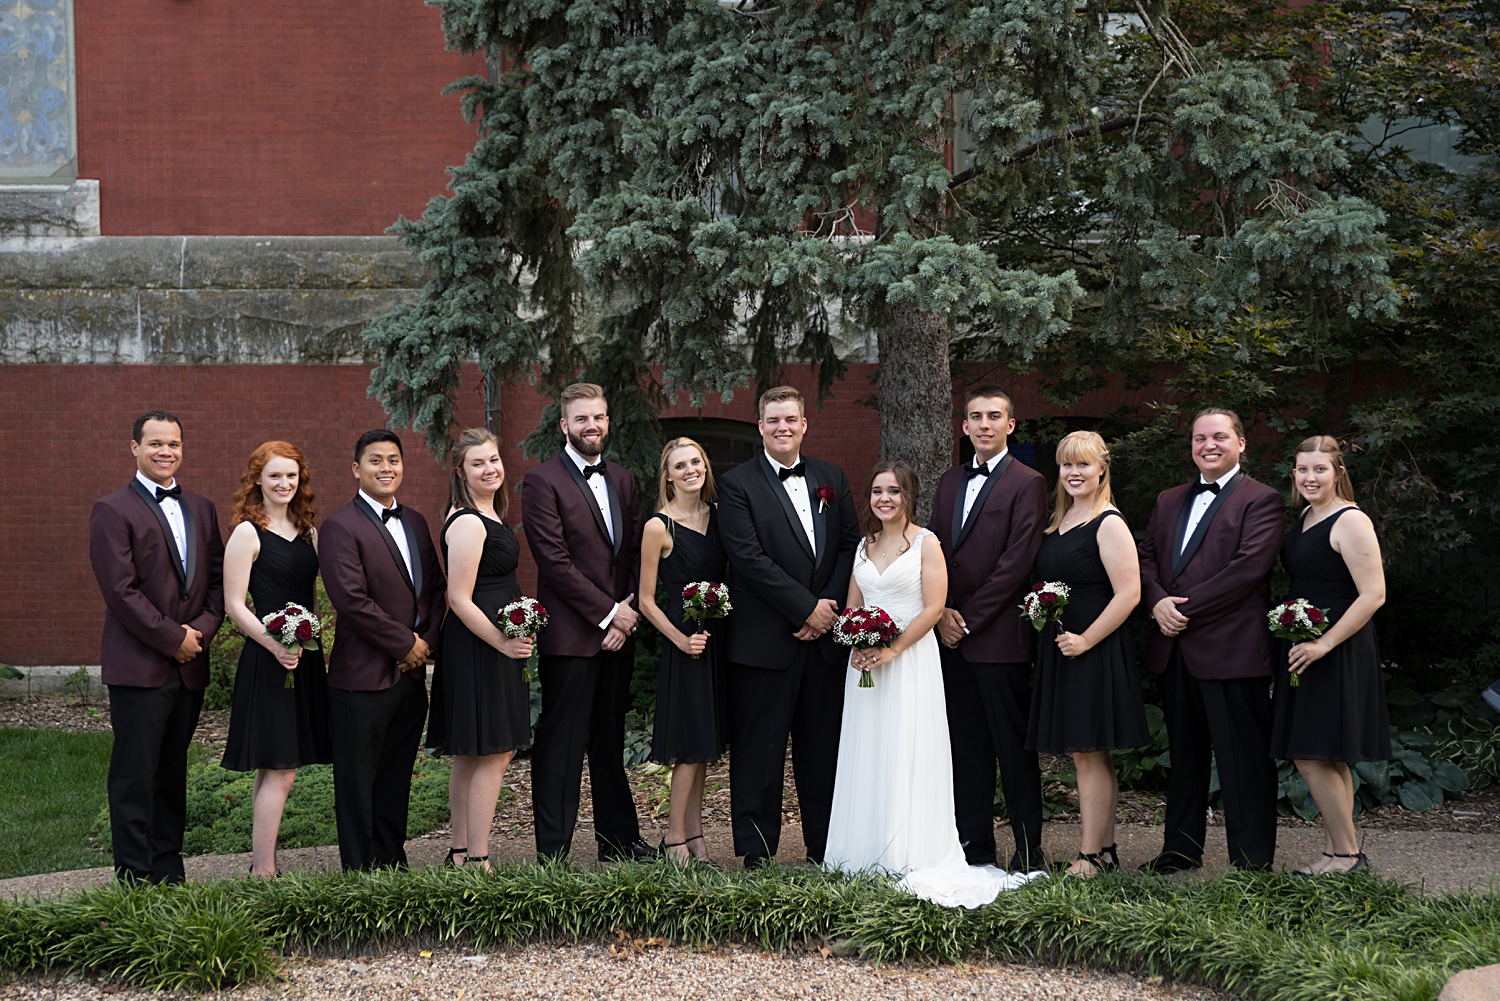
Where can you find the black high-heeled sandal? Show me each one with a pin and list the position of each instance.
(476, 859)
(665, 844)
(1099, 862)
(1308, 873)
(1360, 862)
(701, 859)
(448, 862)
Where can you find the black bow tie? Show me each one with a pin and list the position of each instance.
(972, 471)
(588, 471)
(1200, 486)
(394, 511)
(162, 493)
(800, 469)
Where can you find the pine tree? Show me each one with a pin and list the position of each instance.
(703, 186)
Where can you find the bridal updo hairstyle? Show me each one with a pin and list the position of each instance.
(1080, 446)
(459, 494)
(906, 479)
(250, 506)
(665, 492)
(1343, 487)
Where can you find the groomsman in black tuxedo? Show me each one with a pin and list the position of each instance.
(989, 515)
(383, 578)
(1206, 578)
(789, 525)
(583, 526)
(158, 557)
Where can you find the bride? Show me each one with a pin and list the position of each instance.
(893, 791)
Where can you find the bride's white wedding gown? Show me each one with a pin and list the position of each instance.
(893, 792)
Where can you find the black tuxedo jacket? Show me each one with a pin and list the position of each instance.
(147, 596)
(379, 604)
(1224, 572)
(776, 577)
(581, 573)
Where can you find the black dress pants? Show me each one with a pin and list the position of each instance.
(989, 708)
(584, 700)
(375, 737)
(148, 777)
(1230, 722)
(806, 703)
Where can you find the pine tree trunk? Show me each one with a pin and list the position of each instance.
(916, 398)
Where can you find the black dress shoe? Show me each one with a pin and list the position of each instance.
(1168, 863)
(1027, 862)
(631, 851)
(753, 862)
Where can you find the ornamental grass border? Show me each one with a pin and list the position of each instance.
(1257, 935)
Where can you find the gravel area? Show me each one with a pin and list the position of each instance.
(648, 971)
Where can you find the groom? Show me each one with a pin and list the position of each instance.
(158, 558)
(384, 581)
(789, 526)
(583, 525)
(1205, 577)
(989, 515)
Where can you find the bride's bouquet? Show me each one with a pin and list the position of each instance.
(523, 617)
(293, 626)
(863, 628)
(705, 599)
(1298, 620)
(1044, 603)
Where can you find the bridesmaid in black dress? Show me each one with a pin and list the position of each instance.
(681, 545)
(1087, 699)
(1336, 715)
(480, 702)
(272, 554)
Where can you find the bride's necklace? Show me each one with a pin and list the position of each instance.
(885, 543)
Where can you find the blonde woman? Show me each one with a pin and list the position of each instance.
(680, 545)
(1087, 699)
(1337, 712)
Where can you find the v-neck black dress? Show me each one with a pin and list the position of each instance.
(692, 723)
(1337, 712)
(271, 725)
(1091, 702)
(480, 701)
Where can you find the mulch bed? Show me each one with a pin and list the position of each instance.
(1477, 810)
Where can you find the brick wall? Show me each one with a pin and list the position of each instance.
(210, 117)
(65, 441)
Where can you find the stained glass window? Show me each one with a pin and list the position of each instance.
(38, 140)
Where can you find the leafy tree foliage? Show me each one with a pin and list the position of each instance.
(691, 187)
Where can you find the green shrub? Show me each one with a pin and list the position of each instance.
(221, 810)
(1473, 743)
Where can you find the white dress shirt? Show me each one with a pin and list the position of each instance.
(796, 489)
(171, 509)
(394, 526)
(600, 489)
(1201, 502)
(976, 483)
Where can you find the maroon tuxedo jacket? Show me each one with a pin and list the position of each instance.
(581, 575)
(379, 605)
(147, 597)
(990, 557)
(1225, 573)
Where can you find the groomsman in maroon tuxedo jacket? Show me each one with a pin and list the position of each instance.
(383, 578)
(583, 525)
(158, 558)
(989, 515)
(1205, 579)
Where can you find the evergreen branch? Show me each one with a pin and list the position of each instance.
(1072, 135)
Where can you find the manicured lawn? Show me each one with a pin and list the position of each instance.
(51, 788)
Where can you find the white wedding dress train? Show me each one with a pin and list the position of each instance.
(893, 791)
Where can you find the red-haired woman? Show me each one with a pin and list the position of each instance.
(272, 555)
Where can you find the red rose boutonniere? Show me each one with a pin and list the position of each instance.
(826, 496)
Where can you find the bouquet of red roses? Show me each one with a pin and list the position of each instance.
(1298, 620)
(863, 628)
(523, 617)
(293, 626)
(1044, 603)
(705, 599)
